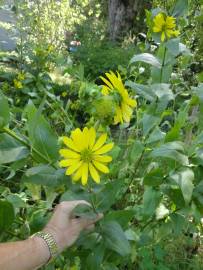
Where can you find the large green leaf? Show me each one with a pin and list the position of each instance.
(180, 8)
(136, 151)
(41, 136)
(4, 111)
(146, 58)
(115, 238)
(151, 200)
(162, 90)
(142, 90)
(180, 121)
(11, 150)
(154, 177)
(156, 135)
(7, 214)
(184, 179)
(44, 175)
(95, 258)
(172, 151)
(123, 217)
(148, 122)
(108, 195)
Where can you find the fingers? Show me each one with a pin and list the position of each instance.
(85, 223)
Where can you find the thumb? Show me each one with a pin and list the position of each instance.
(84, 223)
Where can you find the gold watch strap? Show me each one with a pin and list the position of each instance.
(50, 241)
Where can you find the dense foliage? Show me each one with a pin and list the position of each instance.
(119, 125)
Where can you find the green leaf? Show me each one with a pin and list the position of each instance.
(180, 8)
(184, 179)
(198, 91)
(16, 201)
(115, 238)
(146, 58)
(179, 223)
(154, 177)
(162, 90)
(44, 175)
(180, 121)
(7, 214)
(4, 111)
(69, 195)
(123, 217)
(156, 135)
(136, 151)
(151, 200)
(95, 258)
(142, 90)
(173, 46)
(148, 122)
(83, 210)
(41, 135)
(172, 151)
(108, 194)
(11, 150)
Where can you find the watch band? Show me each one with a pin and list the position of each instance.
(50, 241)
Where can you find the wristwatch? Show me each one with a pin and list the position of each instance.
(50, 241)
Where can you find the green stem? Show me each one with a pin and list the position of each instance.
(163, 64)
(16, 137)
(91, 200)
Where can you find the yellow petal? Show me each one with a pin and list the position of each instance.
(104, 159)
(73, 167)
(126, 112)
(84, 173)
(78, 174)
(101, 167)
(105, 90)
(77, 138)
(100, 142)
(176, 33)
(118, 118)
(156, 29)
(68, 142)
(94, 173)
(106, 82)
(104, 149)
(170, 22)
(92, 137)
(131, 102)
(66, 153)
(85, 138)
(67, 162)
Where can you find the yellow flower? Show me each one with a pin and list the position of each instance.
(64, 94)
(17, 84)
(84, 154)
(165, 25)
(21, 76)
(125, 104)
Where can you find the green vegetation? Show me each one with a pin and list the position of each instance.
(144, 94)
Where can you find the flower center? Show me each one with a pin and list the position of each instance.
(86, 155)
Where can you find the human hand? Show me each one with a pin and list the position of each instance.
(65, 227)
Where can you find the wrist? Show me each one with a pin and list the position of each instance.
(56, 235)
(41, 248)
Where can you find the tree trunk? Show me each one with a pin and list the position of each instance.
(125, 15)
